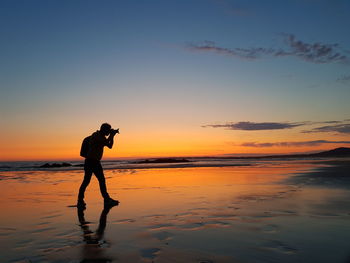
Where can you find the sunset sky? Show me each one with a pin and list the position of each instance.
(179, 78)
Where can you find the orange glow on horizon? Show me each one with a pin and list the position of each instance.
(71, 152)
(153, 142)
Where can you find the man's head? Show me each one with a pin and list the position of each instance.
(105, 129)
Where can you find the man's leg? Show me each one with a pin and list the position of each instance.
(86, 181)
(98, 171)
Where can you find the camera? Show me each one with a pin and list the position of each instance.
(115, 131)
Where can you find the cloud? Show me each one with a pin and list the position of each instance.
(339, 128)
(292, 144)
(256, 126)
(311, 52)
(244, 53)
(328, 122)
(332, 126)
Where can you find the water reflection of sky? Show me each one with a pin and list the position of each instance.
(218, 214)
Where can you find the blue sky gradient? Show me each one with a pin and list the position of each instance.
(77, 63)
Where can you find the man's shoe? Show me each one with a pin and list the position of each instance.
(111, 202)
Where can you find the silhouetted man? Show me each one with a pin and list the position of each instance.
(92, 150)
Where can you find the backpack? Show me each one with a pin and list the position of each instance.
(85, 147)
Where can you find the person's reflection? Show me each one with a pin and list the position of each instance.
(93, 249)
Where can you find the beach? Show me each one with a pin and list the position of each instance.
(273, 211)
(218, 131)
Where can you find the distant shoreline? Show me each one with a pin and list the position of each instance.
(132, 165)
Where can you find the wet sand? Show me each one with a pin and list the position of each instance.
(281, 212)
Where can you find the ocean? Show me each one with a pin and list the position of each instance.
(149, 163)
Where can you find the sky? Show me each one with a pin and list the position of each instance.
(179, 78)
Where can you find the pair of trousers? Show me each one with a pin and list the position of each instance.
(92, 166)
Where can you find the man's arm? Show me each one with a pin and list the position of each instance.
(110, 140)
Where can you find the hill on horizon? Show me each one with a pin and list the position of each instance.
(341, 151)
